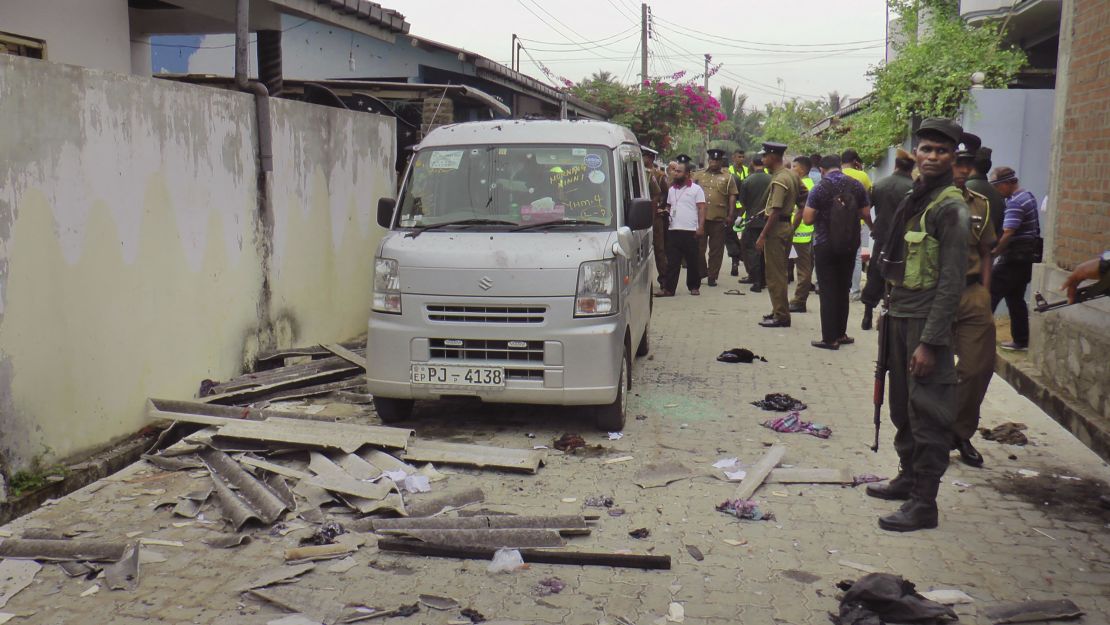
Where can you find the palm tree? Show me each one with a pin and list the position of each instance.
(741, 125)
(835, 102)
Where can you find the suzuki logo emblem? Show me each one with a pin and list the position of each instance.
(485, 283)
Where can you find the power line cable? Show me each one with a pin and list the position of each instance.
(602, 39)
(735, 41)
(552, 27)
(603, 45)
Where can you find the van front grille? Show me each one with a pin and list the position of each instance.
(485, 314)
(481, 349)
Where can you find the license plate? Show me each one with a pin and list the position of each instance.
(454, 375)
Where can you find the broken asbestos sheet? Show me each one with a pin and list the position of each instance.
(566, 525)
(656, 475)
(1034, 611)
(61, 550)
(250, 499)
(480, 456)
(15, 575)
(348, 437)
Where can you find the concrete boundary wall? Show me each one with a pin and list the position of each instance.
(135, 259)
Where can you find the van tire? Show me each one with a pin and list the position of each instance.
(611, 417)
(644, 348)
(392, 410)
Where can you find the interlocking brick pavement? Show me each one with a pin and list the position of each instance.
(998, 540)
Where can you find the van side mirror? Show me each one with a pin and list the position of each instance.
(640, 214)
(386, 205)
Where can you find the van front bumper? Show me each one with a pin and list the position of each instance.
(553, 358)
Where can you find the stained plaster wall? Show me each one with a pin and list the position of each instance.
(134, 259)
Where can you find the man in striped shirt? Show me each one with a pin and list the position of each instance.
(1017, 250)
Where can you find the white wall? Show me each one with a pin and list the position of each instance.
(90, 33)
(1017, 125)
(134, 259)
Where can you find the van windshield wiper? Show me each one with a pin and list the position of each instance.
(461, 222)
(558, 222)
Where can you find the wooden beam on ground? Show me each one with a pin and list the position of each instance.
(809, 476)
(346, 354)
(759, 472)
(617, 560)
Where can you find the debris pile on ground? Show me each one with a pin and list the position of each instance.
(779, 402)
(550, 586)
(569, 442)
(739, 354)
(745, 509)
(883, 598)
(792, 423)
(1007, 433)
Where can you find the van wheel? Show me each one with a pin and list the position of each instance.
(611, 418)
(645, 343)
(392, 410)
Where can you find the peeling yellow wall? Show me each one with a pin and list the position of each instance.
(131, 253)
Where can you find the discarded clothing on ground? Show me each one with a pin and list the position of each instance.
(779, 402)
(866, 478)
(739, 354)
(1007, 433)
(792, 423)
(745, 509)
(600, 501)
(569, 442)
(325, 534)
(880, 598)
(549, 586)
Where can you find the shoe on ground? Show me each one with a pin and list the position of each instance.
(695, 292)
(797, 308)
(774, 323)
(757, 288)
(969, 455)
(868, 319)
(897, 489)
(824, 345)
(914, 515)
(735, 269)
(664, 293)
(846, 340)
(711, 282)
(1013, 346)
(746, 280)
(771, 316)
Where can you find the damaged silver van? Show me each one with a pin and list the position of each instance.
(518, 268)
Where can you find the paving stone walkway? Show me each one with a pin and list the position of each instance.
(1002, 536)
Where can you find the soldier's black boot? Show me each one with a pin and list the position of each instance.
(919, 513)
(735, 267)
(867, 318)
(897, 489)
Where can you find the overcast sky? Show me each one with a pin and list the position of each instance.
(759, 43)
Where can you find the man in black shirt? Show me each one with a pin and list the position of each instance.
(885, 197)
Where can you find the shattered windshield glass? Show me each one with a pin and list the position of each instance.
(481, 186)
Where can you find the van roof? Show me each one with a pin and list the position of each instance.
(582, 131)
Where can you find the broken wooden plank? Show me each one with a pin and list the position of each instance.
(570, 524)
(251, 499)
(316, 390)
(325, 362)
(480, 456)
(809, 476)
(759, 472)
(317, 552)
(515, 538)
(616, 560)
(1033, 611)
(346, 354)
(276, 359)
(347, 437)
(60, 550)
(333, 373)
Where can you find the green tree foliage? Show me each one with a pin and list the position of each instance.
(741, 126)
(790, 123)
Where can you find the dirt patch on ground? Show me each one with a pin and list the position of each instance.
(1058, 497)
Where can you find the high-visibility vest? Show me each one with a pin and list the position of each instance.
(740, 174)
(804, 233)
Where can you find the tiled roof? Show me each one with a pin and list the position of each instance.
(370, 12)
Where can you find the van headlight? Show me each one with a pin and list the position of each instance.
(387, 286)
(597, 288)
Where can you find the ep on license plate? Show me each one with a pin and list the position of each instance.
(453, 375)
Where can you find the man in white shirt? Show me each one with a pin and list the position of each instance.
(686, 207)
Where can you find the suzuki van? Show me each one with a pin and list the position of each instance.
(517, 268)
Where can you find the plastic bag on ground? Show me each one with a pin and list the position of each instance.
(506, 561)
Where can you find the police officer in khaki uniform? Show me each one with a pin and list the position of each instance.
(973, 334)
(657, 186)
(778, 233)
(720, 198)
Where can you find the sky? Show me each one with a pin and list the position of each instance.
(769, 50)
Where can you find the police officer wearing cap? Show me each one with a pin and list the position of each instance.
(925, 263)
(720, 199)
(778, 233)
(974, 333)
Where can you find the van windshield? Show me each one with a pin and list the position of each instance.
(565, 186)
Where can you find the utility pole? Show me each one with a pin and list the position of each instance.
(512, 57)
(706, 85)
(643, 45)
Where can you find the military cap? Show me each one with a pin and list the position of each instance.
(942, 126)
(646, 150)
(683, 158)
(983, 154)
(774, 148)
(969, 145)
(715, 153)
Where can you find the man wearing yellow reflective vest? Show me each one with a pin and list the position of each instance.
(739, 172)
(802, 242)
